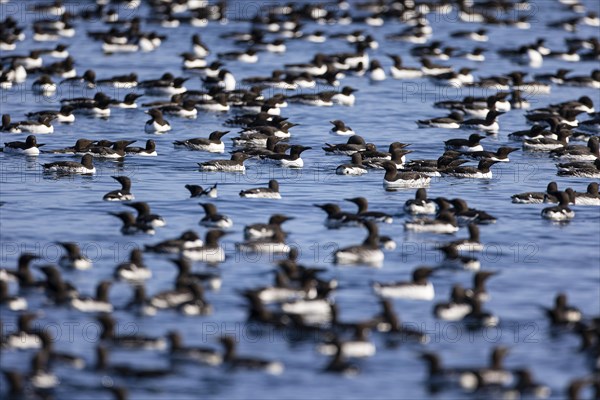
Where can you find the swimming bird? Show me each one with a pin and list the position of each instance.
(13, 303)
(478, 318)
(275, 244)
(99, 303)
(210, 251)
(444, 223)
(292, 160)
(235, 164)
(421, 204)
(129, 340)
(465, 145)
(123, 194)
(366, 253)
(354, 144)
(341, 129)
(561, 212)
(394, 179)
(534, 197)
(198, 191)
(456, 308)
(213, 219)
(29, 147)
(363, 213)
(144, 215)
(130, 225)
(489, 124)
(157, 124)
(453, 259)
(188, 239)
(259, 230)
(179, 352)
(356, 166)
(451, 121)
(336, 218)
(232, 360)
(73, 259)
(465, 215)
(271, 192)
(399, 71)
(338, 364)
(591, 152)
(562, 313)
(471, 243)
(358, 346)
(86, 167)
(213, 144)
(187, 109)
(499, 155)
(590, 197)
(133, 270)
(419, 288)
(126, 370)
(482, 171)
(580, 169)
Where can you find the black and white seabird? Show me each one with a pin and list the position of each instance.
(123, 194)
(270, 192)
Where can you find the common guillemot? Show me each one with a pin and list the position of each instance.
(292, 160)
(482, 171)
(258, 231)
(232, 360)
(29, 147)
(444, 223)
(213, 219)
(456, 308)
(339, 128)
(235, 164)
(534, 197)
(356, 166)
(198, 191)
(145, 216)
(99, 303)
(366, 253)
(133, 270)
(419, 288)
(394, 179)
(336, 218)
(213, 144)
(420, 204)
(561, 212)
(157, 124)
(148, 151)
(465, 145)
(86, 167)
(74, 259)
(270, 192)
(365, 215)
(123, 194)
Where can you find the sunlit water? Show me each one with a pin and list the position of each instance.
(535, 258)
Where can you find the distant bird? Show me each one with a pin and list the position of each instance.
(364, 214)
(144, 215)
(157, 124)
(232, 360)
(29, 147)
(271, 192)
(213, 219)
(85, 167)
(419, 288)
(123, 194)
(198, 191)
(73, 259)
